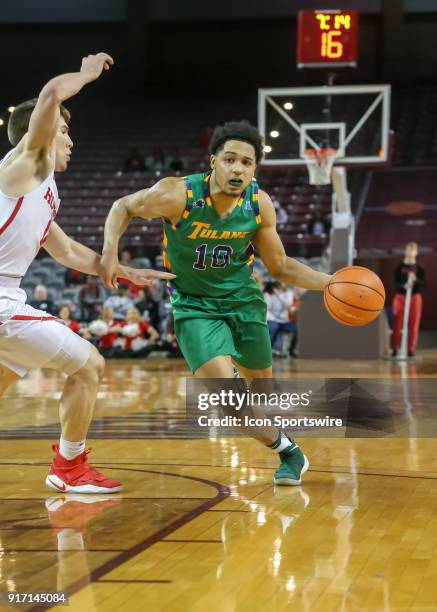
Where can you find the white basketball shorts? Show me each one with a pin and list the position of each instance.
(31, 338)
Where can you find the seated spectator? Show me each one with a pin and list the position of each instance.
(101, 334)
(148, 306)
(125, 257)
(176, 163)
(73, 278)
(120, 302)
(65, 315)
(317, 225)
(155, 162)
(159, 263)
(279, 300)
(91, 299)
(281, 214)
(134, 161)
(136, 338)
(41, 300)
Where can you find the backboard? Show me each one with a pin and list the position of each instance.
(353, 119)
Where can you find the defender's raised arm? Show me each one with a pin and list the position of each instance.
(44, 120)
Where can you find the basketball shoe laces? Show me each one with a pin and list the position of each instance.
(78, 469)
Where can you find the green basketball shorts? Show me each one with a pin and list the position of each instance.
(234, 325)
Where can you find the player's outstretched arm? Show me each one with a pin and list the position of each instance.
(44, 120)
(272, 252)
(166, 199)
(74, 255)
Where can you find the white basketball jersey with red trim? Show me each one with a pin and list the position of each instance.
(25, 224)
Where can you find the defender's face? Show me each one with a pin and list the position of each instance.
(64, 144)
(234, 166)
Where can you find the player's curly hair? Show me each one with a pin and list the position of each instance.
(237, 130)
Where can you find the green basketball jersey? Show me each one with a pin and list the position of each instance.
(212, 257)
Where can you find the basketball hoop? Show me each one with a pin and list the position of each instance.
(319, 163)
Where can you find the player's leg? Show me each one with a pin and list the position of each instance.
(79, 397)
(398, 316)
(217, 367)
(35, 340)
(70, 469)
(414, 322)
(253, 345)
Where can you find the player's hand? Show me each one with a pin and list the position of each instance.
(93, 65)
(109, 267)
(143, 276)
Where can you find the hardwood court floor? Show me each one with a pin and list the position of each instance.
(200, 527)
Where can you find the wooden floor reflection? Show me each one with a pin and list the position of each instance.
(200, 525)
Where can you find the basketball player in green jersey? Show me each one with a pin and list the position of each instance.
(212, 222)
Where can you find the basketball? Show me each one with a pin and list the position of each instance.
(354, 296)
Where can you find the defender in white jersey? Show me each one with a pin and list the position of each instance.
(29, 338)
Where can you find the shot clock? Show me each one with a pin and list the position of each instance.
(327, 38)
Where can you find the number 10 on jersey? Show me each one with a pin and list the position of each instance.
(221, 256)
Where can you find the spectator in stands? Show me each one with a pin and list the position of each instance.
(176, 163)
(41, 301)
(74, 278)
(155, 162)
(102, 333)
(120, 302)
(125, 257)
(90, 298)
(279, 300)
(317, 224)
(408, 274)
(148, 306)
(138, 336)
(64, 314)
(281, 214)
(159, 263)
(134, 161)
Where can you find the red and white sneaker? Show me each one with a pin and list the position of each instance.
(78, 476)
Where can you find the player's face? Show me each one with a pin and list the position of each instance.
(64, 144)
(234, 167)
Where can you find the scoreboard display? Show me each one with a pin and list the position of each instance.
(327, 38)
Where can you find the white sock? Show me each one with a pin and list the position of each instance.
(282, 443)
(70, 450)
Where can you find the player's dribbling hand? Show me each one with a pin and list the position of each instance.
(93, 65)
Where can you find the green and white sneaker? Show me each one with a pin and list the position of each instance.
(293, 464)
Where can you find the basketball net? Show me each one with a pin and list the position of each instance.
(319, 163)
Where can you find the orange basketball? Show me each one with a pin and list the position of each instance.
(354, 296)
